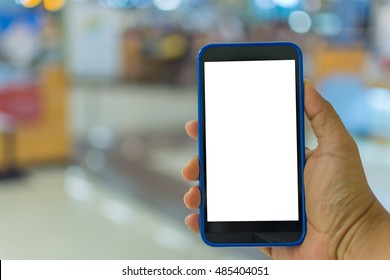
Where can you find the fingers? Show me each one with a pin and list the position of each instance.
(326, 124)
(192, 222)
(192, 129)
(192, 198)
(190, 171)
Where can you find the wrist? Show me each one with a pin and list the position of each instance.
(368, 237)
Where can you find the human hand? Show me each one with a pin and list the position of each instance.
(344, 218)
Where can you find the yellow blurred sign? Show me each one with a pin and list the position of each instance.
(54, 5)
(50, 5)
(30, 3)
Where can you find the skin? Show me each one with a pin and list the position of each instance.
(344, 218)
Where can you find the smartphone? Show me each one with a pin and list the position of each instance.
(251, 144)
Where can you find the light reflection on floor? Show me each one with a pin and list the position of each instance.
(64, 213)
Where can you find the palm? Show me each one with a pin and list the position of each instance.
(327, 177)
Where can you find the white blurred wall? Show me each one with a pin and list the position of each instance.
(92, 40)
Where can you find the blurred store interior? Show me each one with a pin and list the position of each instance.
(94, 95)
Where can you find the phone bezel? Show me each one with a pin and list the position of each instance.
(261, 233)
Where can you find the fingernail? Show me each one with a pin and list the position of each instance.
(182, 171)
(309, 84)
(188, 123)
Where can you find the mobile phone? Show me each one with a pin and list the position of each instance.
(251, 144)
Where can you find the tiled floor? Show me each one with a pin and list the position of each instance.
(122, 197)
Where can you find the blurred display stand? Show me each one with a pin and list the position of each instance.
(34, 123)
(155, 56)
(19, 103)
(33, 89)
(7, 131)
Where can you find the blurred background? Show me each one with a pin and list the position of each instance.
(94, 95)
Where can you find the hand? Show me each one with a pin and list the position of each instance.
(344, 218)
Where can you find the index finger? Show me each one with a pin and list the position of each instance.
(192, 129)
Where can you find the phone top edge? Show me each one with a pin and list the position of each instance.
(249, 44)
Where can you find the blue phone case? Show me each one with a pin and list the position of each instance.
(200, 143)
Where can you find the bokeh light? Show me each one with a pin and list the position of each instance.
(300, 22)
(286, 3)
(167, 5)
(265, 4)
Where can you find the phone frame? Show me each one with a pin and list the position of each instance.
(261, 233)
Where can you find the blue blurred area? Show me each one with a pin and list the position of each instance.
(355, 15)
(11, 12)
(365, 111)
(348, 95)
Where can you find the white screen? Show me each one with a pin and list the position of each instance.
(251, 141)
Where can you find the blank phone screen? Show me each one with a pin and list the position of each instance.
(251, 141)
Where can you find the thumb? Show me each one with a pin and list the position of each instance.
(325, 122)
